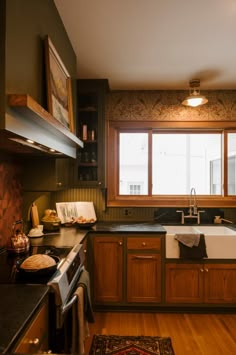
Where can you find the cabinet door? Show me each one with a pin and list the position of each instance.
(107, 269)
(143, 277)
(184, 283)
(46, 174)
(35, 339)
(220, 283)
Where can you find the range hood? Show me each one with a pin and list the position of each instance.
(31, 128)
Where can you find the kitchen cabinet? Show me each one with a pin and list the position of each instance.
(126, 268)
(46, 174)
(84, 246)
(107, 268)
(35, 339)
(200, 283)
(143, 269)
(89, 167)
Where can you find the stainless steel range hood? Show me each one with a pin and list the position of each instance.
(29, 124)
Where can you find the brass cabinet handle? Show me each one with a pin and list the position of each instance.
(35, 341)
(206, 270)
(59, 184)
(201, 270)
(143, 244)
(120, 243)
(85, 251)
(144, 257)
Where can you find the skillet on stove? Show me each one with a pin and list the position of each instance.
(47, 271)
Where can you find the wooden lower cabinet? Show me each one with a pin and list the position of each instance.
(126, 269)
(143, 270)
(107, 269)
(200, 283)
(220, 283)
(35, 338)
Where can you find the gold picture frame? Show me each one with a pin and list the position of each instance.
(59, 92)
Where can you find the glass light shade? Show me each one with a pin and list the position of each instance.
(195, 100)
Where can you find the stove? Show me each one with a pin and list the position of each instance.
(61, 282)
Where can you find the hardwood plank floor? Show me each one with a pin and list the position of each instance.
(195, 334)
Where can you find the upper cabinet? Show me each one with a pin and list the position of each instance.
(89, 167)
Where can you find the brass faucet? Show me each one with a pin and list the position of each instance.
(194, 213)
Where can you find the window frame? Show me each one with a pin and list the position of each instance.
(112, 173)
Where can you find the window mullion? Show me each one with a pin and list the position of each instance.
(150, 163)
(225, 163)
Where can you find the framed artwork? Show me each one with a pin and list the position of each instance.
(59, 93)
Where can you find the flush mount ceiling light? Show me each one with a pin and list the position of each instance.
(194, 99)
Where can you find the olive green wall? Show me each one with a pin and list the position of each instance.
(27, 24)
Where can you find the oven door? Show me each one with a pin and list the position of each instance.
(65, 319)
(63, 286)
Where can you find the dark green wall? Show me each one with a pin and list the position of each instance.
(27, 24)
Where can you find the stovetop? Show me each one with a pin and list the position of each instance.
(8, 273)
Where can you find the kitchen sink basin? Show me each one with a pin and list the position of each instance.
(179, 229)
(220, 240)
(215, 230)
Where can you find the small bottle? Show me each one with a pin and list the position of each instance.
(85, 132)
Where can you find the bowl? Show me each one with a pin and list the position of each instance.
(35, 233)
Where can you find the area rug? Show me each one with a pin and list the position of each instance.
(131, 345)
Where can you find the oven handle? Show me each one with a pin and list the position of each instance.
(68, 305)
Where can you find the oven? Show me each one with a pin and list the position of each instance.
(62, 283)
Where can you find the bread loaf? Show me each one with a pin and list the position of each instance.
(37, 262)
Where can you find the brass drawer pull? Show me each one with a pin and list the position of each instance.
(35, 341)
(143, 244)
(144, 257)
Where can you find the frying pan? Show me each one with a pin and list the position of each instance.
(47, 271)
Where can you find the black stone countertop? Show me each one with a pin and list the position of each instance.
(141, 227)
(17, 305)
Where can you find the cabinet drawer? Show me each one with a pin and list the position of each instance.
(144, 243)
(36, 337)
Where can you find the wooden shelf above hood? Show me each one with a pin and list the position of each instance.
(28, 107)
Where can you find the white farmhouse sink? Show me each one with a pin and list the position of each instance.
(220, 240)
(214, 230)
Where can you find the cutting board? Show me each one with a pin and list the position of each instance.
(34, 215)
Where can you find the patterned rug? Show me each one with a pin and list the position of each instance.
(130, 345)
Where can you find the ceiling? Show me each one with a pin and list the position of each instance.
(153, 44)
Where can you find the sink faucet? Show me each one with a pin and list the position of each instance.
(192, 202)
(193, 209)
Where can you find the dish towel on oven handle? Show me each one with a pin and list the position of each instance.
(82, 315)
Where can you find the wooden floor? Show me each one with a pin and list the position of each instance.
(195, 334)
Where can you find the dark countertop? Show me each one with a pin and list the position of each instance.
(18, 305)
(141, 227)
(66, 236)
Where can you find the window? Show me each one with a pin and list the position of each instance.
(231, 164)
(181, 161)
(135, 189)
(133, 163)
(162, 165)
